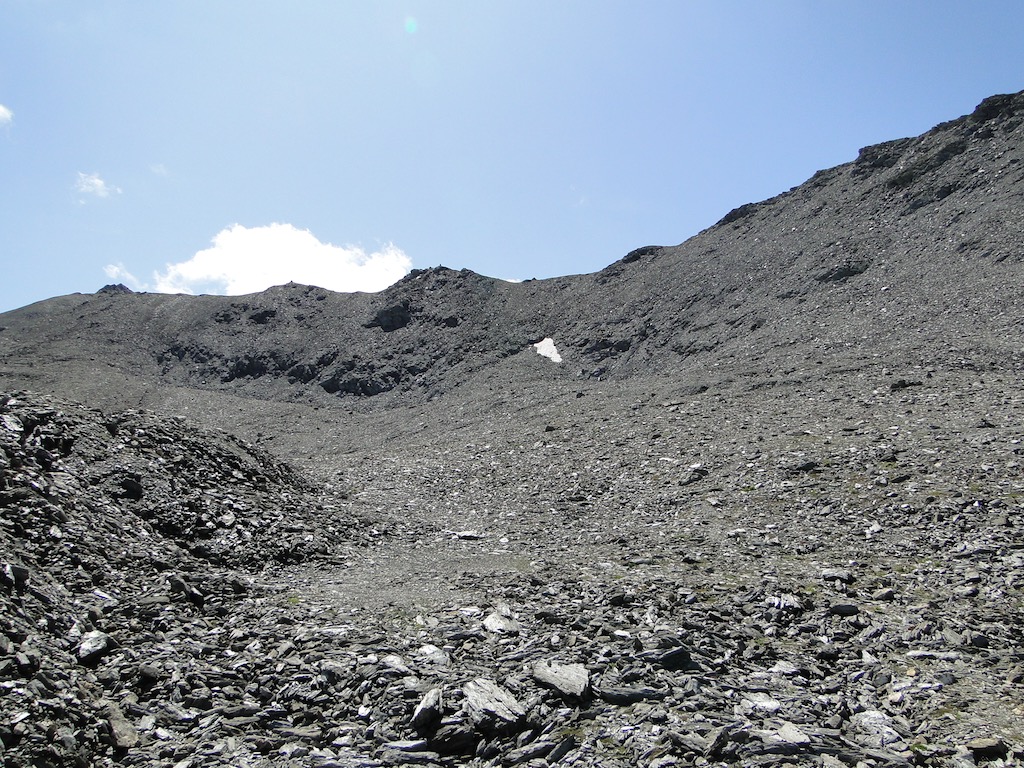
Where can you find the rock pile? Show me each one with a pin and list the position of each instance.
(678, 620)
(113, 530)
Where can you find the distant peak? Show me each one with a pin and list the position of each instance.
(417, 274)
(439, 272)
(115, 288)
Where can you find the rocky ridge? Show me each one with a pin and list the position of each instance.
(915, 245)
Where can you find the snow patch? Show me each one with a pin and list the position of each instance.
(546, 347)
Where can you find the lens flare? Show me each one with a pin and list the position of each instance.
(410, 25)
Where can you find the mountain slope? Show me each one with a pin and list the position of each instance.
(911, 253)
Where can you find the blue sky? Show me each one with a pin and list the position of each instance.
(227, 146)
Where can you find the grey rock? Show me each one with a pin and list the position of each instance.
(123, 733)
(455, 737)
(844, 609)
(491, 706)
(495, 622)
(791, 734)
(528, 752)
(429, 710)
(94, 646)
(561, 750)
(987, 748)
(841, 575)
(570, 680)
(407, 745)
(14, 575)
(624, 694)
(674, 658)
(873, 728)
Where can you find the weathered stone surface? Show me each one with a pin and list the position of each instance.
(621, 694)
(94, 646)
(429, 710)
(874, 729)
(571, 680)
(490, 705)
(123, 733)
(791, 734)
(495, 622)
(987, 748)
(844, 609)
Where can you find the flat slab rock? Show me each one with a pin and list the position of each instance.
(571, 680)
(489, 704)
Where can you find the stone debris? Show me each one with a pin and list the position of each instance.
(94, 646)
(429, 711)
(145, 651)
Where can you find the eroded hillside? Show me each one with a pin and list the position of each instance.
(763, 507)
(912, 252)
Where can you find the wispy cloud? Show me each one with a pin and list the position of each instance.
(93, 184)
(251, 259)
(6, 116)
(119, 273)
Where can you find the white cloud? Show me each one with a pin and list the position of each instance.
(251, 259)
(119, 273)
(92, 184)
(6, 116)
